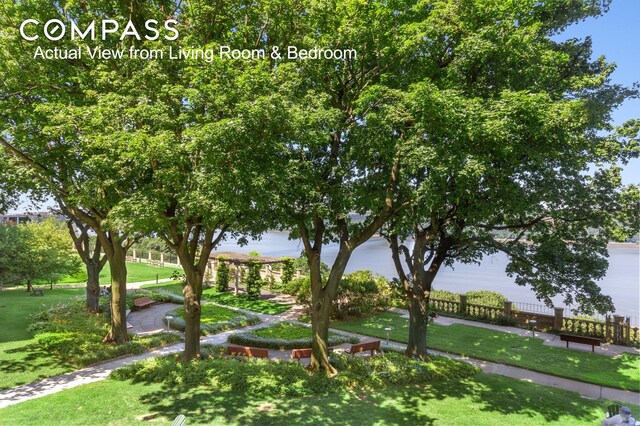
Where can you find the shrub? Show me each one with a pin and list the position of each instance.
(284, 335)
(222, 277)
(486, 297)
(264, 378)
(287, 270)
(253, 282)
(214, 319)
(359, 293)
(75, 335)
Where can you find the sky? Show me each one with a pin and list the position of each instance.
(615, 35)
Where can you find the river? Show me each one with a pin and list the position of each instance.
(622, 281)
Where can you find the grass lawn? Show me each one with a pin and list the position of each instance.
(21, 360)
(227, 299)
(622, 372)
(284, 330)
(136, 272)
(242, 302)
(17, 306)
(483, 400)
(212, 314)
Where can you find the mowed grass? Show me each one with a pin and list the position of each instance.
(136, 272)
(241, 301)
(227, 299)
(21, 360)
(622, 372)
(17, 307)
(212, 314)
(484, 400)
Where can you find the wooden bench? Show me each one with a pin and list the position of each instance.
(368, 346)
(246, 351)
(300, 353)
(593, 341)
(142, 302)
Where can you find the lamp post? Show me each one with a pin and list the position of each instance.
(387, 329)
(533, 327)
(168, 318)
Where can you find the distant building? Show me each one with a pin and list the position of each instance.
(29, 217)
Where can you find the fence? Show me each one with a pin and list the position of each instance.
(156, 258)
(616, 329)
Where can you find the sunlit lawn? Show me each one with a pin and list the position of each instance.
(228, 299)
(621, 372)
(136, 272)
(21, 361)
(484, 400)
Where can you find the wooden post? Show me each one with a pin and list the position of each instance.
(237, 269)
(558, 318)
(270, 276)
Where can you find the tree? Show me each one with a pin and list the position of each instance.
(36, 252)
(502, 132)
(90, 252)
(337, 179)
(40, 103)
(14, 251)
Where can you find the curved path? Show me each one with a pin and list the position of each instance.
(151, 319)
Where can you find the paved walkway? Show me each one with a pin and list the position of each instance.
(152, 319)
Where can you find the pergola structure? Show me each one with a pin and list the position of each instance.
(240, 260)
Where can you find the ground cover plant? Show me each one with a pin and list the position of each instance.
(276, 378)
(622, 372)
(284, 335)
(214, 319)
(25, 358)
(75, 336)
(483, 400)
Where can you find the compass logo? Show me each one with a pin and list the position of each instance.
(55, 29)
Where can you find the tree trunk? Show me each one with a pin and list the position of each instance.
(93, 286)
(29, 286)
(118, 266)
(320, 311)
(192, 311)
(418, 317)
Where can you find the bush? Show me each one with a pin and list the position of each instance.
(359, 293)
(222, 277)
(75, 335)
(264, 378)
(287, 270)
(284, 335)
(211, 323)
(253, 282)
(486, 297)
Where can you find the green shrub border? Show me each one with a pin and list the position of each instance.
(248, 338)
(242, 320)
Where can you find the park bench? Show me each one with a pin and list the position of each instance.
(368, 346)
(300, 353)
(246, 351)
(580, 339)
(37, 293)
(142, 302)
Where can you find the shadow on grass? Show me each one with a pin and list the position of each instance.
(484, 398)
(30, 358)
